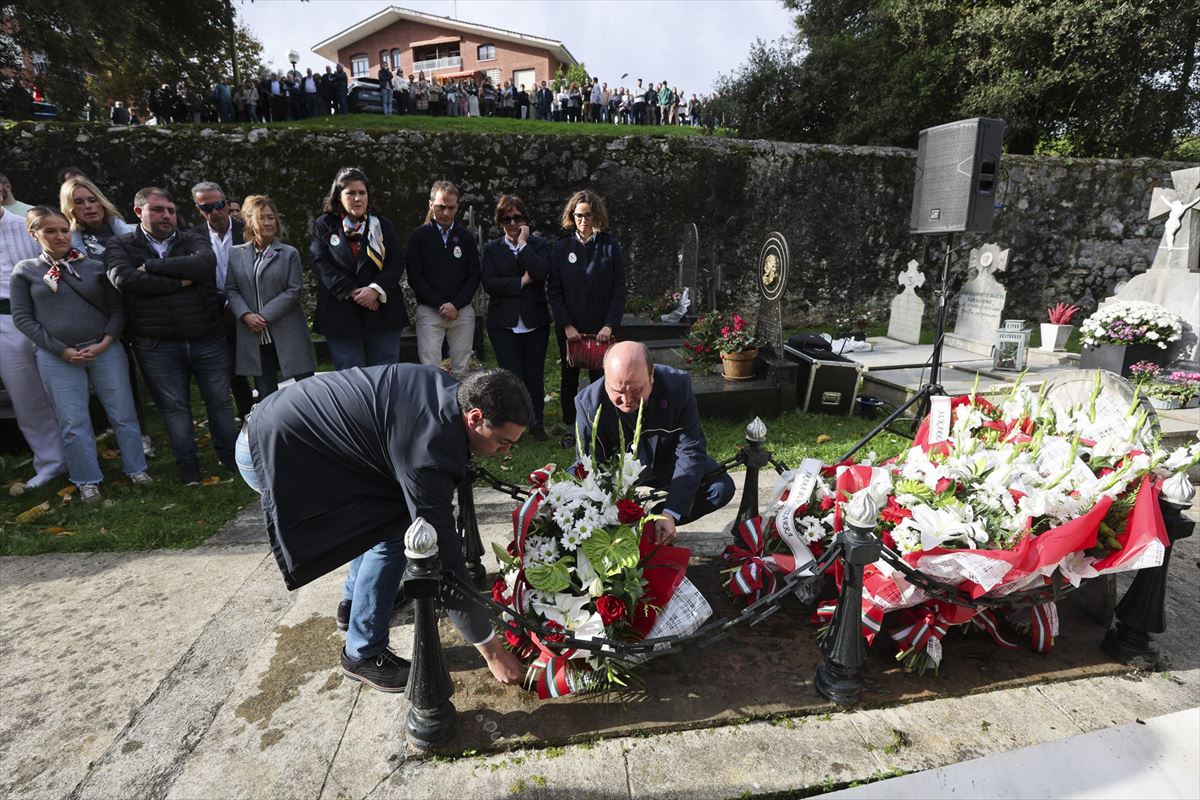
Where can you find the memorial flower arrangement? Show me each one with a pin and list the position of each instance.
(701, 345)
(1008, 495)
(736, 336)
(582, 563)
(1132, 322)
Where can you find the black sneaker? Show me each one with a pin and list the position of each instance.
(229, 463)
(190, 476)
(568, 441)
(343, 615)
(386, 672)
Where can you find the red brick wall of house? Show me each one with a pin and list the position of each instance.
(509, 56)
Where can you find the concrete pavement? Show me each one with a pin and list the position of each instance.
(194, 674)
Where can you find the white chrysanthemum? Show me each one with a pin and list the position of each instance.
(811, 529)
(571, 540)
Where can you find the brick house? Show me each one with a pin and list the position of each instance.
(444, 48)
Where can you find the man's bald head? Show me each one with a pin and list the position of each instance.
(628, 375)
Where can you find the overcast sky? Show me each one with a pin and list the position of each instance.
(685, 42)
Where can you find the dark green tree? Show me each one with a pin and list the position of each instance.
(119, 49)
(1084, 77)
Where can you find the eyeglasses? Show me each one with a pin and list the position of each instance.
(208, 208)
(509, 220)
(583, 216)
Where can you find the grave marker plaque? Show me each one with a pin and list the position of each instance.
(773, 265)
(688, 281)
(980, 302)
(904, 324)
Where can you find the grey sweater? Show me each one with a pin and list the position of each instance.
(62, 319)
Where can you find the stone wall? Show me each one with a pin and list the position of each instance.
(1076, 227)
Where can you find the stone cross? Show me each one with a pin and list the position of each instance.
(904, 324)
(987, 260)
(912, 278)
(1180, 245)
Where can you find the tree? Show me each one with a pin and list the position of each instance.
(576, 74)
(1086, 77)
(119, 49)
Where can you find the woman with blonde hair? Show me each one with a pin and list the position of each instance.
(265, 290)
(64, 303)
(94, 219)
(587, 291)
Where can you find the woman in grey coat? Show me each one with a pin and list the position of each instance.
(264, 287)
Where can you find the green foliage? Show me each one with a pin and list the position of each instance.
(577, 74)
(611, 552)
(554, 577)
(121, 49)
(1071, 77)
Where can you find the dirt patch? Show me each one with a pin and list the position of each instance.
(301, 651)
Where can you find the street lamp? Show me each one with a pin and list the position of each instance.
(293, 57)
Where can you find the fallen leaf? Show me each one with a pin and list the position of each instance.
(31, 514)
(66, 490)
(53, 530)
(59, 532)
(212, 480)
(204, 441)
(110, 453)
(823, 438)
(16, 489)
(167, 507)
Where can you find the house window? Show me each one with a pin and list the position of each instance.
(493, 76)
(487, 52)
(395, 60)
(384, 59)
(359, 65)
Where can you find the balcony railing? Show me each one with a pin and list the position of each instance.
(435, 64)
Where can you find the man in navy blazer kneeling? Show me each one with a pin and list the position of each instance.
(672, 447)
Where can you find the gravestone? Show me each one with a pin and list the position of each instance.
(689, 275)
(1173, 280)
(480, 301)
(980, 302)
(908, 308)
(773, 265)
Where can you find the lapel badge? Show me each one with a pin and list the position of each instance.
(572, 257)
(457, 251)
(335, 240)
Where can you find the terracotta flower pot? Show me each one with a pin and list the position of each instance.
(739, 366)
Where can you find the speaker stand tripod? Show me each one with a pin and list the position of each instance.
(933, 387)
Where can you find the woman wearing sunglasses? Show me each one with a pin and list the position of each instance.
(586, 289)
(514, 271)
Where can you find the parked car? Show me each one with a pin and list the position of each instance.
(366, 96)
(44, 110)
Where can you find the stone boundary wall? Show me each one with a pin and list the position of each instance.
(1076, 227)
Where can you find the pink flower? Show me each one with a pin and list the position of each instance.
(726, 331)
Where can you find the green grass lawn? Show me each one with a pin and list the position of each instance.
(488, 125)
(168, 514)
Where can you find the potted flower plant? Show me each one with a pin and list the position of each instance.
(1121, 334)
(739, 349)
(1056, 332)
(1176, 389)
(701, 344)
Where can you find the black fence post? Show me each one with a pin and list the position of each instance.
(1142, 611)
(839, 675)
(468, 528)
(755, 456)
(431, 716)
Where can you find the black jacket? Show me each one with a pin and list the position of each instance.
(588, 292)
(338, 274)
(443, 272)
(157, 303)
(507, 298)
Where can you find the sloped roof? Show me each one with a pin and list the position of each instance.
(329, 48)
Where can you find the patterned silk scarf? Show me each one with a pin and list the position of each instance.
(354, 230)
(57, 266)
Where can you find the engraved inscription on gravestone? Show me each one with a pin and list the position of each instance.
(773, 265)
(980, 302)
(904, 325)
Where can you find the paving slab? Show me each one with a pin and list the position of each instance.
(88, 639)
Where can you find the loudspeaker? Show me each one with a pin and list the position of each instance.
(957, 166)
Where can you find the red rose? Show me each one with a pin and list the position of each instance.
(610, 608)
(515, 640)
(826, 502)
(498, 591)
(945, 483)
(554, 627)
(629, 511)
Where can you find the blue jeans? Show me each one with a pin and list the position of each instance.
(245, 462)
(68, 385)
(387, 100)
(168, 366)
(364, 351)
(371, 586)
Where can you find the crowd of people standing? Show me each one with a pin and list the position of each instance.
(87, 297)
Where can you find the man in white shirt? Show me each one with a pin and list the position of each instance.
(223, 232)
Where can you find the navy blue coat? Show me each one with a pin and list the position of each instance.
(672, 446)
(443, 272)
(338, 274)
(588, 292)
(507, 298)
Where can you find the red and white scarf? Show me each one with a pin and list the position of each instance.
(57, 266)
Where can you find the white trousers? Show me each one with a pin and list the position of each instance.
(432, 330)
(31, 401)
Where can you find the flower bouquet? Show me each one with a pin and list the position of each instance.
(701, 351)
(1132, 322)
(993, 499)
(582, 564)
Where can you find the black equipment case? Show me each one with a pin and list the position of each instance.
(828, 383)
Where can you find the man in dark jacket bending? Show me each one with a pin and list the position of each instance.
(168, 278)
(347, 460)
